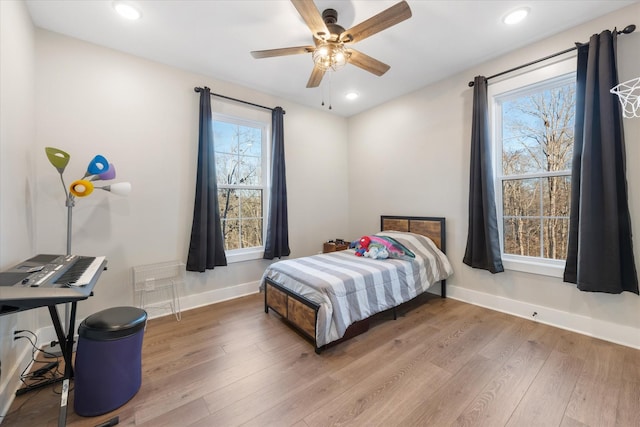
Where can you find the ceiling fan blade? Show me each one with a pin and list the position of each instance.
(367, 63)
(312, 17)
(282, 51)
(316, 77)
(383, 20)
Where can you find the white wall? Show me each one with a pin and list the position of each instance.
(17, 171)
(17, 134)
(143, 116)
(411, 156)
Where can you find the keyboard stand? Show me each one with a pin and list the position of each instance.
(65, 353)
(66, 345)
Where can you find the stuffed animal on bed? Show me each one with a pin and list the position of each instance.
(384, 247)
(376, 252)
(361, 246)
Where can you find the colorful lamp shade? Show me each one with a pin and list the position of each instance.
(99, 169)
(120, 188)
(81, 188)
(58, 158)
(97, 166)
(109, 174)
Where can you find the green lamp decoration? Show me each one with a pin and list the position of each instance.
(99, 169)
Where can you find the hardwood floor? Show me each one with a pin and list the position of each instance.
(442, 363)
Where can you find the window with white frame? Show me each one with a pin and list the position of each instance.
(533, 122)
(242, 172)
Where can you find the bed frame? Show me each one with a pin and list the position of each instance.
(302, 313)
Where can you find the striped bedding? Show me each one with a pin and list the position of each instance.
(350, 288)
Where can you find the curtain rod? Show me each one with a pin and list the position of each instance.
(627, 30)
(198, 89)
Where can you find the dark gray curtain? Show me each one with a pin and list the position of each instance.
(600, 254)
(483, 240)
(206, 249)
(277, 239)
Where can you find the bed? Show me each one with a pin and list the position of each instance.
(330, 297)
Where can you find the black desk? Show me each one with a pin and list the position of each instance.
(36, 283)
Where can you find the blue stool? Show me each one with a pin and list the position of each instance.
(108, 366)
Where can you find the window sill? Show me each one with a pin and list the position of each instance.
(552, 268)
(240, 255)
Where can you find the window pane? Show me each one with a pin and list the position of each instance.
(521, 236)
(556, 232)
(537, 130)
(225, 137)
(521, 197)
(251, 232)
(250, 170)
(250, 141)
(226, 168)
(519, 156)
(251, 203)
(229, 203)
(238, 152)
(557, 196)
(251, 213)
(231, 231)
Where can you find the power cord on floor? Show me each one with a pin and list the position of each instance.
(50, 369)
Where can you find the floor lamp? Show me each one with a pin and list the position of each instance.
(99, 169)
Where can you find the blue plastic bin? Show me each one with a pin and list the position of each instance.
(108, 366)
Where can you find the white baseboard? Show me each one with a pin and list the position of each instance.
(189, 302)
(608, 331)
(219, 295)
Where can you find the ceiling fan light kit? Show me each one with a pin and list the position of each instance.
(330, 56)
(330, 52)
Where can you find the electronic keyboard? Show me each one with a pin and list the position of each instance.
(46, 280)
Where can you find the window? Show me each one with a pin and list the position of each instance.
(533, 117)
(241, 166)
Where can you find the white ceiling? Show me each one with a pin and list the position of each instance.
(214, 38)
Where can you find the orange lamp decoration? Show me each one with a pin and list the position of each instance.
(81, 188)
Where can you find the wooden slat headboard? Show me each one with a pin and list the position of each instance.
(432, 227)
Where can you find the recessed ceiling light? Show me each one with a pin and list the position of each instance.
(352, 95)
(516, 16)
(127, 10)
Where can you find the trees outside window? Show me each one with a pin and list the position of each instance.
(533, 129)
(240, 148)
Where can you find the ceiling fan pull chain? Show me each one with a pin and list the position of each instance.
(330, 80)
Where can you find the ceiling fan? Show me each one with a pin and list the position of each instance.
(330, 51)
